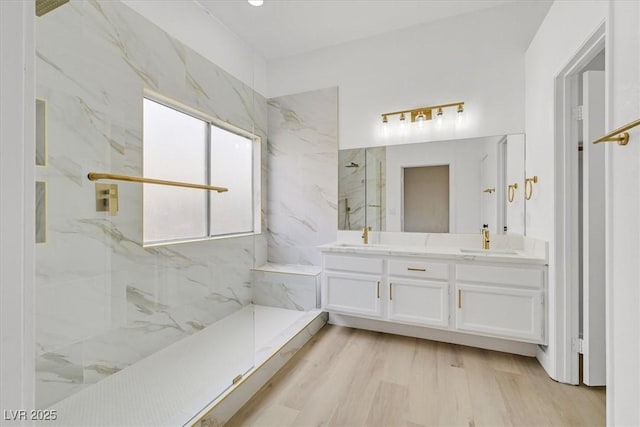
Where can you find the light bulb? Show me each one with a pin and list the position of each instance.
(460, 109)
(256, 2)
(439, 113)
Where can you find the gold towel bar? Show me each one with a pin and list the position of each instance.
(620, 135)
(95, 176)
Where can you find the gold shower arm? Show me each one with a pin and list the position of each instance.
(620, 135)
(95, 176)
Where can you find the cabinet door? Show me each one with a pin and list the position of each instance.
(501, 312)
(352, 293)
(419, 302)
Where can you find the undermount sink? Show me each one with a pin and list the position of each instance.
(489, 251)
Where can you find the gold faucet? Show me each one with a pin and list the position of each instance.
(365, 235)
(485, 237)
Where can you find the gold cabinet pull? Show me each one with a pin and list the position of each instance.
(512, 191)
(391, 291)
(459, 298)
(528, 186)
(378, 289)
(416, 269)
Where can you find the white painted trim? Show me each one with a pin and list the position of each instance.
(565, 368)
(17, 216)
(489, 343)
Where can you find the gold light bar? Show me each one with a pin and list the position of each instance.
(423, 113)
(620, 135)
(95, 176)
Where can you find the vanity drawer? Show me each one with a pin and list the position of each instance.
(352, 263)
(419, 269)
(510, 276)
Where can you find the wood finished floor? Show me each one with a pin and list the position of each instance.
(350, 377)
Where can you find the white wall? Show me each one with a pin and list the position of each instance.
(17, 154)
(476, 58)
(465, 161)
(204, 33)
(550, 51)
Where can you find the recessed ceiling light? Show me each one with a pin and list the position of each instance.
(256, 2)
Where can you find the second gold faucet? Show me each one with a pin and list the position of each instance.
(365, 235)
(485, 237)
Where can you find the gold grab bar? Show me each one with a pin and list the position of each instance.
(528, 186)
(620, 135)
(95, 176)
(512, 191)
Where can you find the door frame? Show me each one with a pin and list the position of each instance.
(566, 207)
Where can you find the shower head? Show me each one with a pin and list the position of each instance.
(46, 6)
(352, 165)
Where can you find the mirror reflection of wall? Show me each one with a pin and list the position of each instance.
(480, 169)
(514, 169)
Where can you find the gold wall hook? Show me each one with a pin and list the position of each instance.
(512, 191)
(528, 186)
(489, 190)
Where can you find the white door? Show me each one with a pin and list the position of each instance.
(505, 312)
(419, 302)
(352, 294)
(593, 230)
(623, 224)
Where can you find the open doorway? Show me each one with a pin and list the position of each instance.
(580, 212)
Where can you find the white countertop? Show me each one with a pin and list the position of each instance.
(509, 249)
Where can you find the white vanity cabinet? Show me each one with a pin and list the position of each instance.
(352, 285)
(482, 297)
(418, 292)
(501, 301)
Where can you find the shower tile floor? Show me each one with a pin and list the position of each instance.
(170, 386)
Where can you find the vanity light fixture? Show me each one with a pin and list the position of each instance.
(423, 113)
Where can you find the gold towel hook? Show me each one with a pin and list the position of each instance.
(489, 190)
(528, 186)
(512, 191)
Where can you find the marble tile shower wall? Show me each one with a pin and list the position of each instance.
(103, 301)
(303, 175)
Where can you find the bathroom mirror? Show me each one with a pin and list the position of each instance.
(444, 186)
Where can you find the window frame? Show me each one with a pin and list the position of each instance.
(256, 177)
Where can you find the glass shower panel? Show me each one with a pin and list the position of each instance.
(105, 303)
(375, 187)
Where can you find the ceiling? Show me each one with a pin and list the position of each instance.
(282, 28)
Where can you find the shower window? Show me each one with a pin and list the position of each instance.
(180, 146)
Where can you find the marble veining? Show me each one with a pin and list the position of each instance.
(103, 301)
(302, 170)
